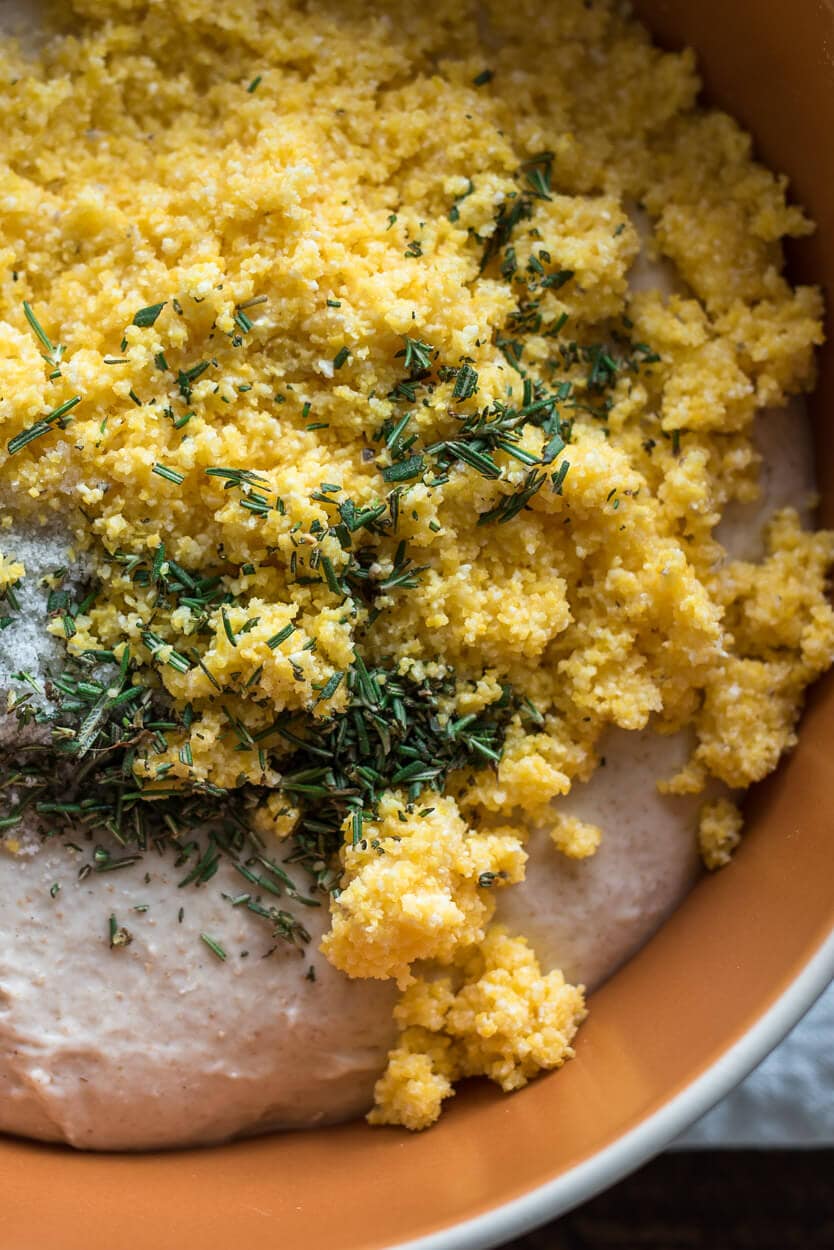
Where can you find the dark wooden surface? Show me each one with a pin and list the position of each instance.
(728, 1200)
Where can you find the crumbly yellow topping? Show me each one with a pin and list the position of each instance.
(294, 196)
(719, 832)
(11, 571)
(574, 837)
(495, 1014)
(418, 886)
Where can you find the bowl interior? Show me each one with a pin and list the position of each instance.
(726, 955)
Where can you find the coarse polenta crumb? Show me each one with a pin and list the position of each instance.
(416, 887)
(266, 271)
(719, 832)
(276, 817)
(574, 837)
(495, 1014)
(11, 572)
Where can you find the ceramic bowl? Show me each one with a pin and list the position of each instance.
(700, 1005)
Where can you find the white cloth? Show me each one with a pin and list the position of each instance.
(788, 1101)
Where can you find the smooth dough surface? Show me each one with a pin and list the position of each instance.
(159, 1043)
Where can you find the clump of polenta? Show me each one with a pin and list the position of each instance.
(316, 331)
(494, 1014)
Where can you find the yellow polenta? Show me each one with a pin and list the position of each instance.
(279, 254)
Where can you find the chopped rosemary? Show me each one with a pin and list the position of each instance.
(55, 418)
(418, 355)
(512, 504)
(170, 475)
(214, 946)
(404, 470)
(454, 211)
(52, 353)
(118, 935)
(227, 627)
(466, 382)
(538, 172)
(391, 733)
(146, 317)
(281, 636)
